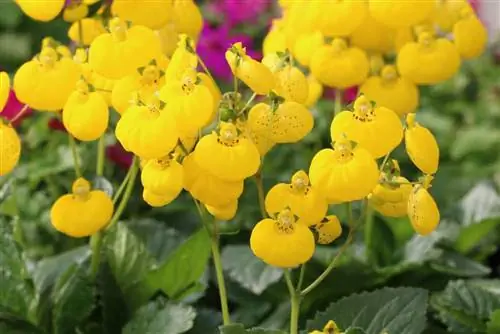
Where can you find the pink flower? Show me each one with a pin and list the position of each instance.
(56, 124)
(13, 108)
(349, 94)
(119, 156)
(240, 11)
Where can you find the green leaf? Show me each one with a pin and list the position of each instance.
(240, 329)
(393, 310)
(493, 326)
(380, 241)
(182, 270)
(16, 293)
(206, 322)
(480, 203)
(73, 300)
(456, 264)
(127, 256)
(10, 14)
(473, 235)
(160, 318)
(474, 139)
(245, 268)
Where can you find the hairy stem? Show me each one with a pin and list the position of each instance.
(294, 303)
(74, 152)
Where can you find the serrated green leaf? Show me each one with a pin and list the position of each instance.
(493, 326)
(161, 318)
(474, 139)
(394, 310)
(264, 331)
(207, 321)
(480, 203)
(115, 313)
(72, 299)
(473, 235)
(456, 264)
(245, 268)
(240, 329)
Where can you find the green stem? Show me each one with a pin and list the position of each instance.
(95, 246)
(294, 303)
(74, 152)
(338, 102)
(100, 156)
(220, 282)
(205, 68)
(260, 192)
(369, 234)
(122, 185)
(128, 192)
(247, 105)
(301, 277)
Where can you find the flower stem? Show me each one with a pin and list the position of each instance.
(260, 192)
(74, 152)
(205, 68)
(247, 105)
(19, 114)
(369, 234)
(128, 192)
(294, 303)
(100, 156)
(337, 102)
(122, 185)
(301, 277)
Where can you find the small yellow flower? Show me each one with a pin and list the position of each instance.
(303, 200)
(421, 146)
(187, 18)
(306, 45)
(391, 197)
(182, 60)
(396, 13)
(447, 13)
(282, 242)
(330, 328)
(470, 35)
(227, 155)
(329, 229)
(41, 10)
(164, 178)
(371, 35)
(154, 14)
(75, 12)
(341, 18)
(275, 40)
(225, 213)
(377, 129)
(422, 209)
(4, 89)
(291, 84)
(10, 149)
(83, 212)
(315, 91)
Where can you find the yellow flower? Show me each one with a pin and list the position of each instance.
(168, 35)
(75, 12)
(10, 150)
(304, 201)
(275, 40)
(4, 89)
(164, 178)
(190, 102)
(85, 114)
(344, 173)
(391, 197)
(341, 18)
(470, 35)
(447, 13)
(428, 61)
(315, 91)
(305, 46)
(208, 188)
(258, 134)
(140, 127)
(422, 209)
(152, 14)
(208, 82)
(91, 28)
(225, 213)
(371, 35)
(377, 129)
(46, 82)
(41, 10)
(396, 13)
(188, 18)
(155, 200)
(120, 52)
(288, 124)
(329, 229)
(392, 91)
(327, 60)
(291, 84)
(182, 60)
(421, 146)
(254, 74)
(227, 155)
(282, 242)
(83, 212)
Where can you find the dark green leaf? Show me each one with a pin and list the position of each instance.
(206, 322)
(493, 326)
(232, 329)
(160, 318)
(73, 300)
(10, 14)
(458, 265)
(394, 310)
(245, 268)
(379, 241)
(113, 303)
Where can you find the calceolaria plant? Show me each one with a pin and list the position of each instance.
(192, 137)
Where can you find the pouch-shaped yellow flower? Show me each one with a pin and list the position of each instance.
(4, 89)
(163, 177)
(447, 13)
(391, 91)
(302, 17)
(208, 188)
(91, 28)
(258, 134)
(226, 212)
(341, 18)
(371, 35)
(140, 128)
(315, 91)
(305, 201)
(428, 61)
(470, 35)
(329, 229)
(41, 10)
(169, 36)
(377, 129)
(227, 155)
(208, 82)
(344, 173)
(421, 146)
(275, 40)
(253, 73)
(306, 45)
(82, 212)
(152, 14)
(75, 11)
(397, 13)
(289, 123)
(10, 149)
(85, 114)
(422, 210)
(120, 52)
(391, 198)
(46, 82)
(155, 200)
(188, 18)
(291, 84)
(183, 59)
(190, 102)
(327, 60)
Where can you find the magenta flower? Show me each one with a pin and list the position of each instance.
(56, 124)
(240, 11)
(119, 156)
(13, 108)
(213, 44)
(348, 96)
